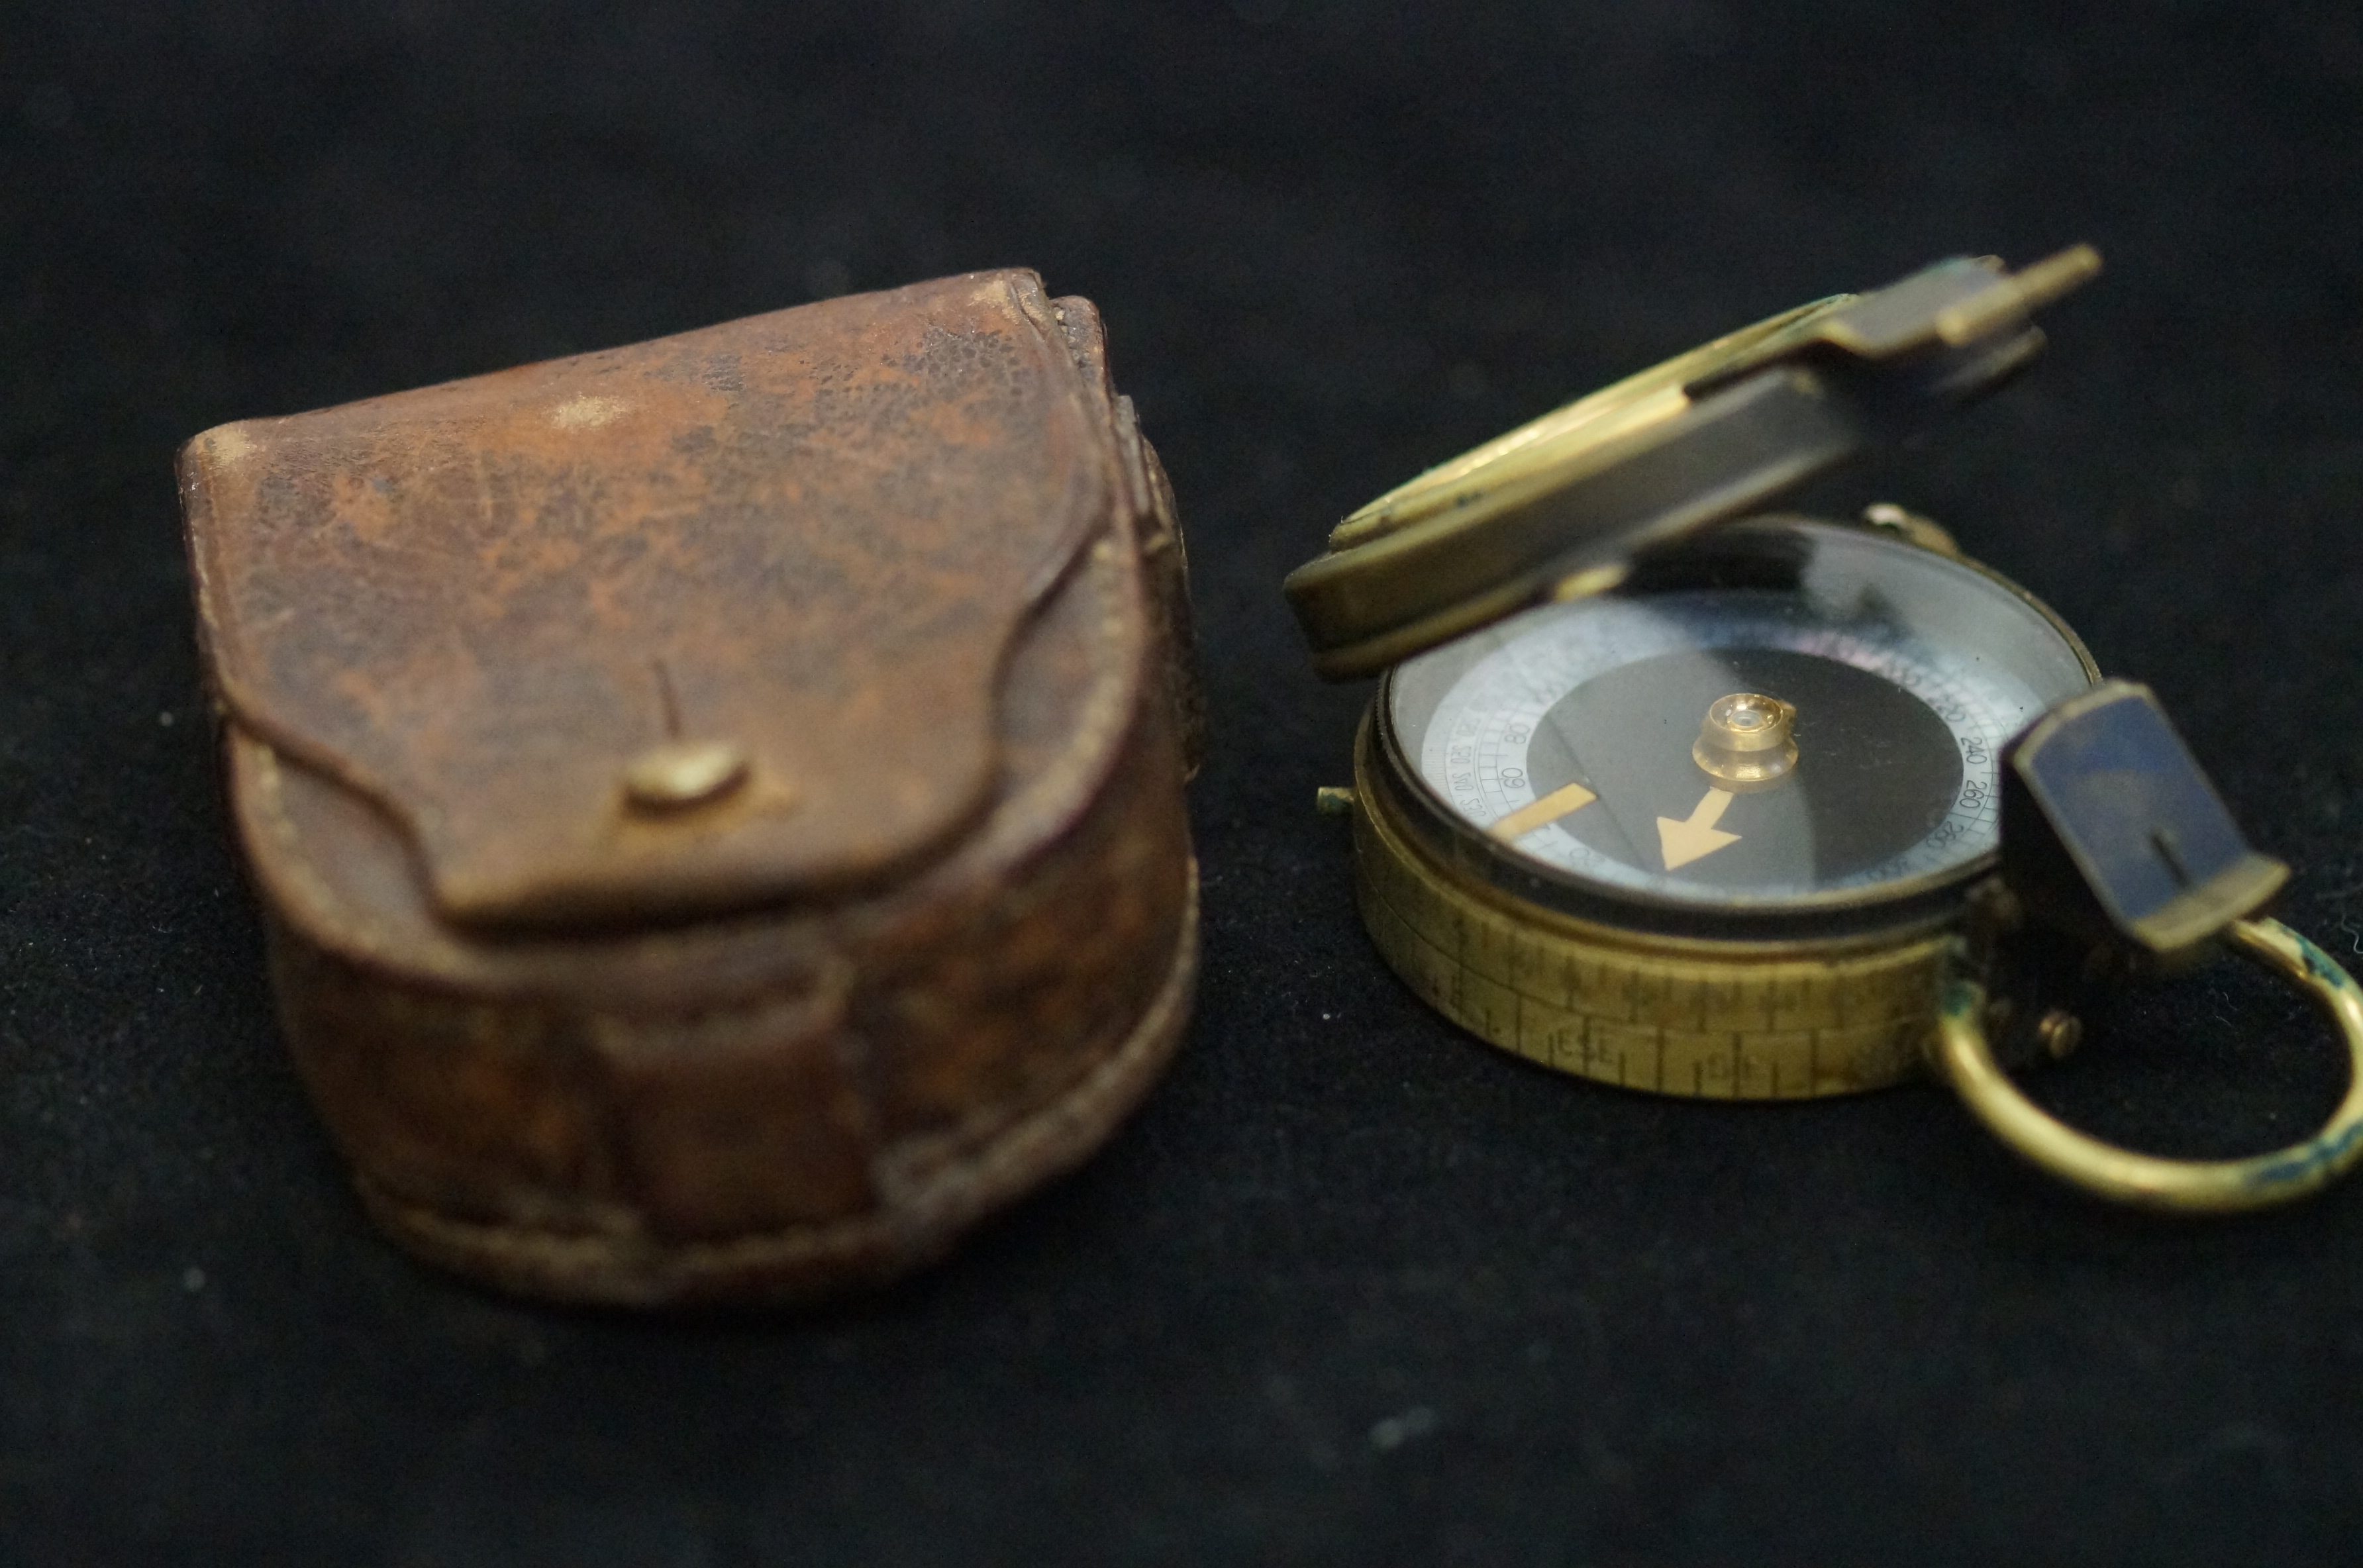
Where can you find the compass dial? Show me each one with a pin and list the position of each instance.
(1791, 714)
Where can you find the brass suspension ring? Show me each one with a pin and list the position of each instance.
(1962, 1057)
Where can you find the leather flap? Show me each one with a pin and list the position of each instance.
(697, 623)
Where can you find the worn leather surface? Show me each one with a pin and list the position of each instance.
(910, 551)
(811, 533)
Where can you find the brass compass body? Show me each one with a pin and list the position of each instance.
(1682, 803)
(1664, 790)
(1707, 835)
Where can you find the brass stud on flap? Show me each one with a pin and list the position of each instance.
(680, 774)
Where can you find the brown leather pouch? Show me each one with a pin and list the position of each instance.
(717, 802)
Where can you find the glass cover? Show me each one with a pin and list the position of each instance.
(1786, 712)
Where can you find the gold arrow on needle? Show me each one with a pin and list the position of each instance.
(1686, 841)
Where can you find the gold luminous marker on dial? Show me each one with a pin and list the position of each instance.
(1696, 837)
(1543, 812)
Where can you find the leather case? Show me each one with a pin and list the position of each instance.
(717, 802)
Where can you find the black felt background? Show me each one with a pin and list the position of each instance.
(1351, 1289)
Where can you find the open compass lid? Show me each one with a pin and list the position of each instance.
(1557, 508)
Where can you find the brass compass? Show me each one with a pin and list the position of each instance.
(1662, 789)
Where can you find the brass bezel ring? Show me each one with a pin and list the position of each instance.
(1961, 1057)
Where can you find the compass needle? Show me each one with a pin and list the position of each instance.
(1697, 836)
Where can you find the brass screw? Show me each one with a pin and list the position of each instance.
(2060, 1032)
(1911, 525)
(1591, 581)
(1334, 799)
(680, 774)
